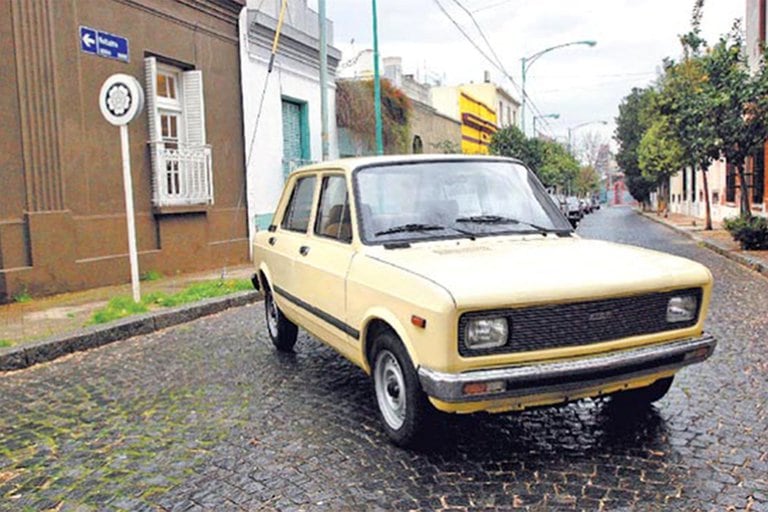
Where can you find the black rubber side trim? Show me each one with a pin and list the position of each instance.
(322, 315)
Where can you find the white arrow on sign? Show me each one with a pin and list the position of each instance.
(88, 40)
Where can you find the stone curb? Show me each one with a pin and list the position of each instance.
(95, 336)
(746, 261)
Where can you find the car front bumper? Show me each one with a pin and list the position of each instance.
(566, 376)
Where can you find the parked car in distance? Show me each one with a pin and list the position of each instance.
(442, 277)
(575, 211)
(561, 203)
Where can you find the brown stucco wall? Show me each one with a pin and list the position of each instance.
(433, 128)
(62, 215)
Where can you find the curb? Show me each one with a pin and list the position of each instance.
(745, 261)
(91, 337)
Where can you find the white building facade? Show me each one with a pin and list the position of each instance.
(282, 129)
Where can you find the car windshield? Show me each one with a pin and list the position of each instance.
(447, 199)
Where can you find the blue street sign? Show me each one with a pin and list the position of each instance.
(88, 42)
(103, 44)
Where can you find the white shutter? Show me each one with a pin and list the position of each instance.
(150, 78)
(155, 136)
(194, 107)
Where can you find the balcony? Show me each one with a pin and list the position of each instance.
(182, 175)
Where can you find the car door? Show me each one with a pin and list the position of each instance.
(290, 234)
(323, 261)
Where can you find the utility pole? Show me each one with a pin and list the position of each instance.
(377, 84)
(323, 78)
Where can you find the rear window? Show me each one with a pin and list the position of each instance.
(299, 208)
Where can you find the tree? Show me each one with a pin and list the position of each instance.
(686, 100)
(551, 162)
(590, 147)
(587, 181)
(511, 141)
(558, 167)
(738, 104)
(660, 155)
(631, 125)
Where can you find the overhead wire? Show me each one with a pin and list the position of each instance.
(270, 66)
(497, 63)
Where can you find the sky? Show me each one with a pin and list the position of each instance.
(580, 83)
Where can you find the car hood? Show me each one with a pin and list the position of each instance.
(514, 271)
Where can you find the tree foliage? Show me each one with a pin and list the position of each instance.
(738, 106)
(587, 181)
(635, 117)
(659, 153)
(707, 105)
(551, 162)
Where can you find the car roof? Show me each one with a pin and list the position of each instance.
(350, 164)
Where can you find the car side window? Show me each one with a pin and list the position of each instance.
(333, 218)
(299, 208)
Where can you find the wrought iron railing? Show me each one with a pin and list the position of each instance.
(182, 175)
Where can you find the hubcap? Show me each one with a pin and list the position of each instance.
(390, 389)
(272, 313)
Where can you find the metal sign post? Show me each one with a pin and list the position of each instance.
(121, 100)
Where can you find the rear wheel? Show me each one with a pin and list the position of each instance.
(644, 396)
(403, 407)
(281, 331)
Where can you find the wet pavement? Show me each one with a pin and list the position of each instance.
(208, 416)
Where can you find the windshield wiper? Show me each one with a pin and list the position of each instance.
(498, 219)
(410, 228)
(414, 228)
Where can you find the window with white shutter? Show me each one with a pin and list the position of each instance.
(180, 155)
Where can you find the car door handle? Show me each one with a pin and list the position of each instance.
(272, 240)
(303, 250)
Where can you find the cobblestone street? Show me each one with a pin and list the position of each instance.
(208, 416)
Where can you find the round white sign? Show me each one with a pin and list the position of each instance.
(121, 99)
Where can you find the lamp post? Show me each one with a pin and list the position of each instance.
(527, 62)
(545, 116)
(323, 79)
(377, 85)
(574, 128)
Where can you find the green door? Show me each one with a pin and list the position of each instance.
(295, 137)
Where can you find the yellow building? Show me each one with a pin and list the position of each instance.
(478, 124)
(478, 120)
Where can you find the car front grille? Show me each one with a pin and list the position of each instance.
(581, 323)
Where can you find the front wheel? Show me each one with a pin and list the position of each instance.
(281, 331)
(403, 407)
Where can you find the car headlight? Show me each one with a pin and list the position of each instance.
(681, 309)
(486, 333)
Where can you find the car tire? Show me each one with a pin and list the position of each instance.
(282, 331)
(403, 407)
(644, 396)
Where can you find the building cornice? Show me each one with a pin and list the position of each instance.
(294, 44)
(213, 8)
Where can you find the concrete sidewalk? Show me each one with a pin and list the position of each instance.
(718, 239)
(30, 320)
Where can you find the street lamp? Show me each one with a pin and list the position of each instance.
(545, 116)
(574, 128)
(527, 62)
